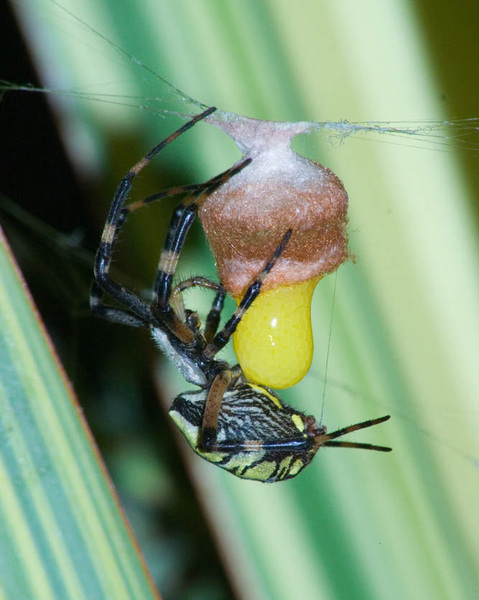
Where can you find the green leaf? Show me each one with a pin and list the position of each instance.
(63, 532)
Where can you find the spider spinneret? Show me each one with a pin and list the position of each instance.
(238, 425)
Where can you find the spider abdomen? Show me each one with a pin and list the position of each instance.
(258, 437)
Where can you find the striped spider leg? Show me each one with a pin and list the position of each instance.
(233, 423)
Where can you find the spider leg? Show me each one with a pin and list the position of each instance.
(221, 339)
(191, 189)
(140, 313)
(111, 313)
(180, 224)
(209, 426)
(213, 316)
(197, 281)
(355, 427)
(359, 445)
(137, 311)
(281, 444)
(325, 439)
(115, 314)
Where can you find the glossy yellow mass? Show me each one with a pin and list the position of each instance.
(274, 341)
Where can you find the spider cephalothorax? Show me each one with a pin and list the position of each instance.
(240, 426)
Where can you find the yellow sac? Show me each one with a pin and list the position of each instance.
(274, 341)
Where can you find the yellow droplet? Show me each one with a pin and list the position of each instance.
(274, 341)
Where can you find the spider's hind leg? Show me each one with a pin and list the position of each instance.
(178, 228)
(135, 311)
(180, 224)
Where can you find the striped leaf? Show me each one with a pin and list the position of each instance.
(63, 533)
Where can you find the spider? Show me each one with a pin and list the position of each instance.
(229, 421)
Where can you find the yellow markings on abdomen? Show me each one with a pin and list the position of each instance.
(274, 341)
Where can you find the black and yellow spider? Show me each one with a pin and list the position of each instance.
(237, 425)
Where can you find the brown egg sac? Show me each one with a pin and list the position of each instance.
(246, 218)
